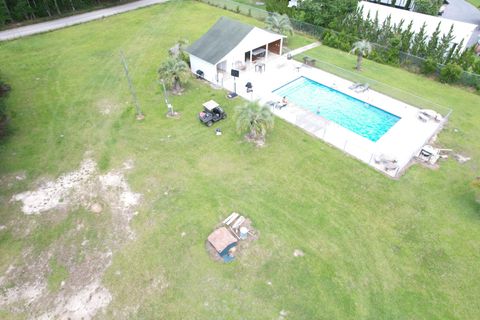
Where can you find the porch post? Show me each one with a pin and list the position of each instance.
(281, 45)
(266, 52)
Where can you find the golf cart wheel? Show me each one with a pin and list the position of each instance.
(209, 123)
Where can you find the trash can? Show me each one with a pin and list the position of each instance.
(243, 233)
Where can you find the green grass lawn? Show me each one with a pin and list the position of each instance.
(252, 3)
(476, 3)
(375, 248)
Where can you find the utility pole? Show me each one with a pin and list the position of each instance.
(169, 106)
(139, 115)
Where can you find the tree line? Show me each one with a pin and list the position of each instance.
(14, 11)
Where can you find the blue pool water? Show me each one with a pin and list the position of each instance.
(353, 114)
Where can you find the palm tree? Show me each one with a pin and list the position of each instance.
(178, 50)
(175, 73)
(255, 119)
(279, 23)
(361, 48)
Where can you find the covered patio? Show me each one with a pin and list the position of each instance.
(231, 46)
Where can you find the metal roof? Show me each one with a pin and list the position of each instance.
(222, 38)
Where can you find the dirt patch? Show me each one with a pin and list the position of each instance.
(258, 141)
(25, 288)
(54, 194)
(82, 304)
(107, 106)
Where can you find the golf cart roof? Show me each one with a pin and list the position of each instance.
(210, 105)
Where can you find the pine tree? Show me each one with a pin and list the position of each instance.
(419, 47)
(432, 45)
(444, 45)
(406, 37)
(385, 31)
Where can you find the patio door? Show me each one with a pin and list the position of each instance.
(247, 56)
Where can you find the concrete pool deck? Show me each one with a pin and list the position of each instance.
(402, 142)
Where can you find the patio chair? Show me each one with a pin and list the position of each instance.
(362, 88)
(355, 85)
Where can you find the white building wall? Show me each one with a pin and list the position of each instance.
(461, 30)
(209, 70)
(256, 38)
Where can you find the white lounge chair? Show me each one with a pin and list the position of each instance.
(362, 88)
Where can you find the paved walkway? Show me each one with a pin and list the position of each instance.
(303, 49)
(73, 20)
(461, 10)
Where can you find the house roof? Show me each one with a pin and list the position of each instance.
(222, 38)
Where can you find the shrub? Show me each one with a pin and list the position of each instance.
(476, 188)
(345, 41)
(450, 73)
(476, 66)
(330, 39)
(280, 6)
(237, 10)
(429, 66)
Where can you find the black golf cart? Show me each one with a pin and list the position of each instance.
(212, 112)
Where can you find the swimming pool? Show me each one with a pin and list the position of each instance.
(355, 115)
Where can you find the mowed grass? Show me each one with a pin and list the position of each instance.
(476, 3)
(375, 248)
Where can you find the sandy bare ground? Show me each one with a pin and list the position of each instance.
(24, 286)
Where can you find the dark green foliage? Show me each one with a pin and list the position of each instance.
(428, 6)
(443, 54)
(433, 42)
(340, 40)
(392, 54)
(4, 89)
(429, 67)
(328, 13)
(468, 60)
(22, 10)
(280, 6)
(450, 73)
(476, 66)
(419, 47)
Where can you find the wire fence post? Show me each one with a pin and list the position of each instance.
(139, 113)
(169, 106)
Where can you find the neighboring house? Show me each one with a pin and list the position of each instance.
(230, 44)
(461, 30)
(404, 4)
(293, 3)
